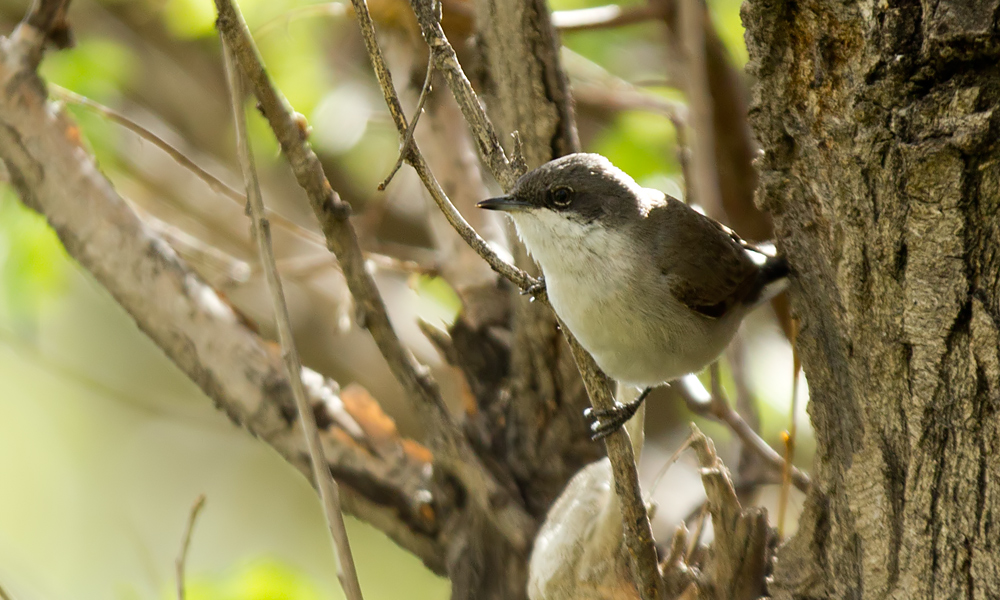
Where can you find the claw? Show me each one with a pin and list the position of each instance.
(616, 416)
(536, 288)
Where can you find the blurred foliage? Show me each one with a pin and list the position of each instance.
(30, 265)
(440, 304)
(189, 18)
(262, 580)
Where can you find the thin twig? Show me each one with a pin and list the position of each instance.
(214, 183)
(701, 402)
(186, 543)
(328, 9)
(451, 448)
(638, 531)
(670, 462)
(698, 531)
(404, 146)
(416, 159)
(446, 60)
(328, 490)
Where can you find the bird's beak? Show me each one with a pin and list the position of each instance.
(504, 203)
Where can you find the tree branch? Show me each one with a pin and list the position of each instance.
(329, 492)
(450, 446)
(714, 404)
(485, 137)
(638, 533)
(198, 330)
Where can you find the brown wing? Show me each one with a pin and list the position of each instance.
(706, 264)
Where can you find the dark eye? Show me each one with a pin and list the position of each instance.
(561, 196)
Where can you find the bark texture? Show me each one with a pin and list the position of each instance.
(882, 172)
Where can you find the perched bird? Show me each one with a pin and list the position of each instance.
(652, 288)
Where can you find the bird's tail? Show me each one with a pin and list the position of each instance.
(772, 279)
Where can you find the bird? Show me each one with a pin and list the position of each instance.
(651, 287)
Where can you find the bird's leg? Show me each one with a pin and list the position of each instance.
(608, 420)
(537, 287)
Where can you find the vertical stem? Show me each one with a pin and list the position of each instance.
(328, 491)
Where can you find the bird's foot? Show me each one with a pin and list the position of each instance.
(535, 289)
(604, 422)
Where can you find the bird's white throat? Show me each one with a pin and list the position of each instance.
(567, 248)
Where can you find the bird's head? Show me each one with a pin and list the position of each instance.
(568, 199)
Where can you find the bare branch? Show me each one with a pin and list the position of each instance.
(740, 552)
(416, 159)
(329, 492)
(451, 447)
(638, 532)
(715, 405)
(186, 543)
(45, 22)
(326, 9)
(404, 146)
(196, 328)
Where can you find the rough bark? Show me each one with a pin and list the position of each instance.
(882, 171)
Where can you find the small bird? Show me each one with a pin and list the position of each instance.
(652, 288)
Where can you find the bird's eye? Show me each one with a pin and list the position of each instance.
(561, 196)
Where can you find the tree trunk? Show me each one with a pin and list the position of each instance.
(882, 172)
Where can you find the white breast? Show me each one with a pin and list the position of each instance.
(617, 304)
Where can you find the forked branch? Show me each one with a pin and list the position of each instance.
(194, 326)
(638, 533)
(329, 492)
(450, 447)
